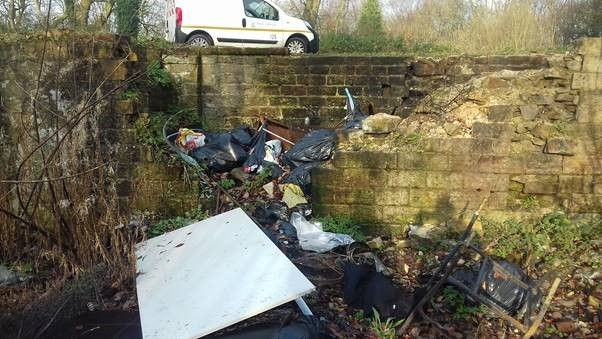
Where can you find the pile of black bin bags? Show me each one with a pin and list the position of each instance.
(241, 147)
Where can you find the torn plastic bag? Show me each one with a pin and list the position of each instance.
(273, 148)
(257, 152)
(293, 195)
(354, 117)
(312, 238)
(306, 327)
(301, 176)
(243, 136)
(315, 146)
(190, 140)
(220, 153)
(499, 289)
(364, 288)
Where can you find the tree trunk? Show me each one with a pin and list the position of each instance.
(310, 11)
(83, 12)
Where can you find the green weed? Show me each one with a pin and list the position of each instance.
(554, 241)
(157, 76)
(342, 224)
(171, 224)
(132, 94)
(456, 303)
(255, 184)
(383, 330)
(529, 202)
(227, 183)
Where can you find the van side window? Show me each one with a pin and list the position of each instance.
(260, 9)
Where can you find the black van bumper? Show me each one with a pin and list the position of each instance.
(314, 45)
(180, 36)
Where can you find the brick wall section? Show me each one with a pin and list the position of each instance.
(234, 89)
(439, 180)
(74, 66)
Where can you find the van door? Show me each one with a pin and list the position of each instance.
(170, 21)
(262, 24)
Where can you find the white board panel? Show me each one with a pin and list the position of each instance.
(211, 274)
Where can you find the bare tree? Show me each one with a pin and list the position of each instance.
(311, 10)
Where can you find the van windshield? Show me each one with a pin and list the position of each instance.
(260, 9)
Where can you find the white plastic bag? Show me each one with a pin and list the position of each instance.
(312, 238)
(273, 148)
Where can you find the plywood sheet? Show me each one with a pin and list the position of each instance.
(210, 275)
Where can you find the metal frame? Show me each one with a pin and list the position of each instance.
(530, 322)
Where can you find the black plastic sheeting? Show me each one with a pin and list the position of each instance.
(301, 176)
(303, 328)
(365, 289)
(316, 146)
(257, 153)
(501, 290)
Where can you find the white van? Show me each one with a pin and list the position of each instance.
(237, 23)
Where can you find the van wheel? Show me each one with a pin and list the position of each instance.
(296, 45)
(200, 40)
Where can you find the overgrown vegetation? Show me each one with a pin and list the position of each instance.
(342, 224)
(171, 224)
(553, 241)
(386, 329)
(457, 304)
(255, 183)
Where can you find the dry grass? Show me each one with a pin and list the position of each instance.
(59, 209)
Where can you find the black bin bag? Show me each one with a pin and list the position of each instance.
(315, 146)
(220, 153)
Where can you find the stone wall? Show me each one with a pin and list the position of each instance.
(50, 83)
(232, 89)
(535, 144)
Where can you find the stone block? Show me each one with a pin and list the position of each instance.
(490, 146)
(354, 196)
(590, 107)
(357, 177)
(113, 70)
(539, 163)
(391, 196)
(574, 184)
(423, 161)
(501, 113)
(530, 112)
(406, 179)
(562, 146)
(366, 214)
(381, 123)
(585, 81)
(592, 64)
(564, 97)
(538, 184)
(365, 160)
(492, 130)
(426, 67)
(582, 165)
(444, 180)
(596, 184)
(590, 46)
(574, 63)
(429, 199)
(486, 182)
(464, 163)
(501, 164)
(585, 203)
(494, 82)
(497, 201)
